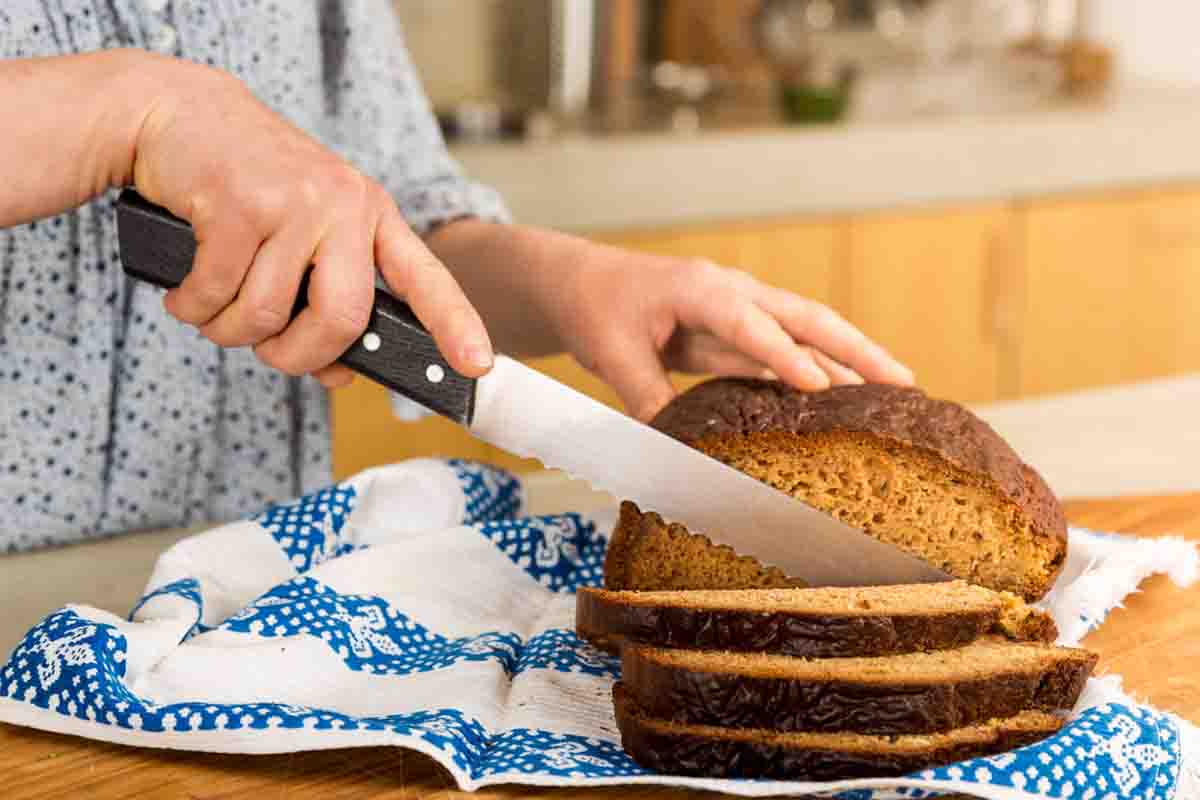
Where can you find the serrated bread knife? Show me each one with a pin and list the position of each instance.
(526, 413)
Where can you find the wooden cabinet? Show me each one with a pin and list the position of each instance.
(1112, 290)
(992, 301)
(936, 289)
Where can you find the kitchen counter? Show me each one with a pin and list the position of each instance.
(1128, 440)
(1138, 136)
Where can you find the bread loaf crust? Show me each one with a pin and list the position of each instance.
(712, 415)
(684, 752)
(896, 706)
(605, 623)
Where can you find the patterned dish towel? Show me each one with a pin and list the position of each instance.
(416, 606)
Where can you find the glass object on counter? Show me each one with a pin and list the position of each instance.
(818, 48)
(957, 56)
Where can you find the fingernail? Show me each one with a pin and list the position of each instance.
(478, 355)
(768, 375)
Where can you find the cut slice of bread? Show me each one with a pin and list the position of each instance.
(911, 693)
(812, 623)
(924, 474)
(647, 553)
(701, 750)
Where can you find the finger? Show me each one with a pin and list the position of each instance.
(756, 334)
(335, 376)
(264, 304)
(636, 373)
(820, 326)
(224, 251)
(341, 290)
(705, 354)
(415, 274)
(839, 375)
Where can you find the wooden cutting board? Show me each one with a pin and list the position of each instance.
(1154, 642)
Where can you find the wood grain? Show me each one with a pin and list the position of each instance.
(1154, 642)
(933, 287)
(1112, 288)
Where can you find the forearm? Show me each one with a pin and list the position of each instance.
(518, 278)
(70, 126)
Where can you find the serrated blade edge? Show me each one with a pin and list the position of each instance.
(529, 414)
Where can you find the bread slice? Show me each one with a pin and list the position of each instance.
(924, 474)
(645, 552)
(714, 752)
(911, 693)
(812, 623)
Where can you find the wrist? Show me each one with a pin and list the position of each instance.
(150, 86)
(127, 83)
(517, 278)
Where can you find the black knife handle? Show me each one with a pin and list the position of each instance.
(395, 351)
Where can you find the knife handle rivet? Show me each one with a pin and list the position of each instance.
(371, 341)
(434, 373)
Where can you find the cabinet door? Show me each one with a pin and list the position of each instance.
(794, 254)
(1113, 288)
(938, 289)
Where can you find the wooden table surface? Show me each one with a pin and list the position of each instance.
(1154, 642)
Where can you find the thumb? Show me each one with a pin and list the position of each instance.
(639, 378)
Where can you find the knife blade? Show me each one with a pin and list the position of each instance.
(525, 412)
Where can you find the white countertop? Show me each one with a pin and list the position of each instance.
(1140, 136)
(1127, 440)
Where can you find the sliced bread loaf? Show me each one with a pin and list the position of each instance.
(903, 694)
(812, 623)
(924, 474)
(672, 747)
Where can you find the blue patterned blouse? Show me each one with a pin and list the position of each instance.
(114, 416)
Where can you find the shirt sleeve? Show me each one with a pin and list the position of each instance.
(379, 117)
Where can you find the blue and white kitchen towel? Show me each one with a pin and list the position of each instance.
(416, 606)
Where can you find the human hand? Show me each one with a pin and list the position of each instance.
(631, 318)
(266, 201)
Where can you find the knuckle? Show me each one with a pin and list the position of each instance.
(705, 269)
(607, 359)
(277, 362)
(263, 206)
(344, 192)
(740, 276)
(309, 192)
(207, 296)
(265, 321)
(818, 316)
(806, 313)
(378, 196)
(348, 182)
(349, 320)
(741, 323)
